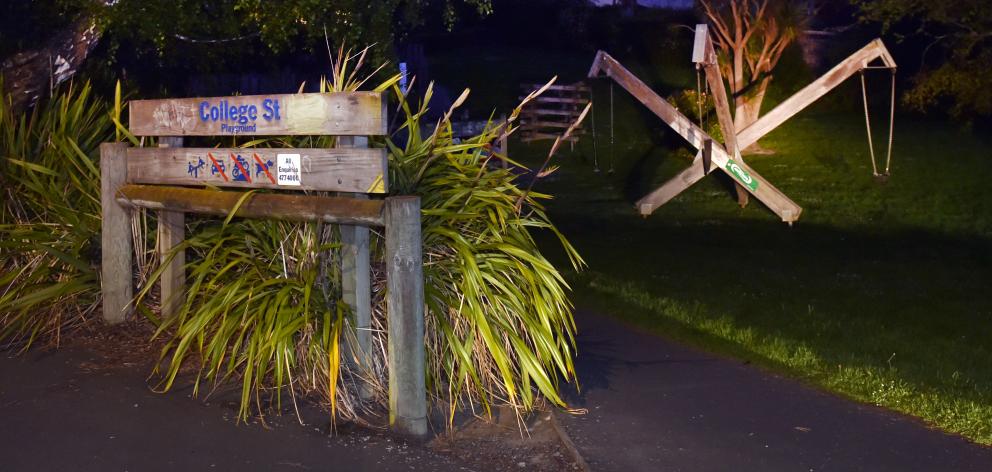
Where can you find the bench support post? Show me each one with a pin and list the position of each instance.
(405, 308)
(171, 233)
(115, 236)
(356, 280)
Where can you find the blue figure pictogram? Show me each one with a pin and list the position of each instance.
(240, 168)
(195, 170)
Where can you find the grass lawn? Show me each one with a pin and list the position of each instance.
(876, 293)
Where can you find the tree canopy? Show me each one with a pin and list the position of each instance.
(956, 60)
(158, 38)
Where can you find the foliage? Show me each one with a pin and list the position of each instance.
(20, 20)
(956, 62)
(751, 36)
(264, 302)
(254, 309)
(220, 35)
(264, 305)
(698, 107)
(500, 319)
(50, 214)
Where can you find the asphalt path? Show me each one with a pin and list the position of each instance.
(656, 405)
(58, 414)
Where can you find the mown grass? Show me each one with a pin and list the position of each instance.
(877, 293)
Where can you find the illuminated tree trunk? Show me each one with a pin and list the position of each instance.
(747, 106)
(751, 36)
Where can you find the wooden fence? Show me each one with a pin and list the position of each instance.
(550, 114)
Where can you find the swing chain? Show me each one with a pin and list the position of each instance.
(892, 119)
(612, 143)
(699, 97)
(595, 151)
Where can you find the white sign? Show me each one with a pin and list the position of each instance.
(288, 166)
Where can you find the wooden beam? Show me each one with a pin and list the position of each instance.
(171, 233)
(405, 311)
(547, 124)
(544, 111)
(722, 105)
(774, 199)
(116, 266)
(344, 170)
(289, 207)
(546, 99)
(527, 137)
(676, 185)
(659, 106)
(342, 113)
(812, 92)
(577, 87)
(356, 281)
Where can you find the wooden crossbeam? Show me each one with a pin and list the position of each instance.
(578, 87)
(546, 99)
(765, 192)
(291, 207)
(708, 61)
(339, 170)
(340, 113)
(812, 92)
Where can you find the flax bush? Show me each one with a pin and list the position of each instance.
(263, 304)
(50, 214)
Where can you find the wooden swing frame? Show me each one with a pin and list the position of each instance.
(727, 157)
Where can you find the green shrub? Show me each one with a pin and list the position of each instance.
(264, 298)
(263, 303)
(50, 214)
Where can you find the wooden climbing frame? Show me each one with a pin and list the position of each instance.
(727, 157)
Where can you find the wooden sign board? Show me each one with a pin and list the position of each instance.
(342, 114)
(359, 170)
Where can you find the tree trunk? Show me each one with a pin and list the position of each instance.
(30, 74)
(747, 110)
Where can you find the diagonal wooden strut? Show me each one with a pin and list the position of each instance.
(812, 92)
(765, 192)
(705, 58)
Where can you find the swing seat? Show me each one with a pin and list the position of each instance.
(882, 178)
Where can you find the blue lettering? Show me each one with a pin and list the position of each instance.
(267, 106)
(243, 114)
(253, 112)
(203, 113)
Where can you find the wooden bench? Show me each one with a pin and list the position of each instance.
(170, 178)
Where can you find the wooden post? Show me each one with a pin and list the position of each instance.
(405, 308)
(115, 237)
(171, 232)
(722, 106)
(356, 279)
